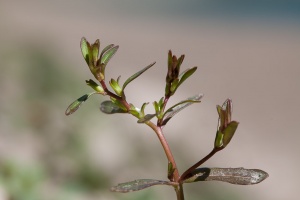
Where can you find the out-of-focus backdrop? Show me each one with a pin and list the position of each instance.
(246, 50)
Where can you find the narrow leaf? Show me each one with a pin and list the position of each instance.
(146, 118)
(134, 76)
(184, 75)
(137, 185)
(238, 176)
(86, 50)
(76, 104)
(108, 107)
(106, 48)
(143, 108)
(107, 55)
(180, 106)
(95, 51)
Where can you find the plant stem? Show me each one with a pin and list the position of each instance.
(167, 149)
(203, 160)
(109, 93)
(179, 192)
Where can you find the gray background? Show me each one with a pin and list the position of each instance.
(248, 52)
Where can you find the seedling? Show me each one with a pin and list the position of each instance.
(97, 63)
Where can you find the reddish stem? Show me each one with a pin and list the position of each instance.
(109, 93)
(166, 148)
(203, 160)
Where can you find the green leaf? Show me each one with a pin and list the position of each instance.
(180, 106)
(76, 104)
(143, 108)
(179, 62)
(95, 51)
(116, 87)
(146, 118)
(109, 107)
(138, 185)
(106, 48)
(229, 132)
(238, 176)
(108, 53)
(95, 86)
(86, 50)
(118, 103)
(184, 75)
(134, 111)
(156, 107)
(174, 85)
(219, 139)
(134, 76)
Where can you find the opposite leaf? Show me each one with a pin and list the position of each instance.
(76, 104)
(180, 106)
(137, 185)
(238, 176)
(134, 76)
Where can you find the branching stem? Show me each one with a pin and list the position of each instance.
(203, 160)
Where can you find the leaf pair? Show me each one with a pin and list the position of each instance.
(226, 127)
(97, 64)
(172, 111)
(237, 176)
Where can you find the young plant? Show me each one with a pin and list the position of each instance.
(118, 104)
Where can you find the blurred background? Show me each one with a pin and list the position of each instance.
(245, 50)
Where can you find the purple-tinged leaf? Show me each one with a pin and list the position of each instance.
(237, 176)
(138, 185)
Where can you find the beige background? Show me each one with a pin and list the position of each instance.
(255, 62)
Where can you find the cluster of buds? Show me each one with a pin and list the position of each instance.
(173, 78)
(95, 62)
